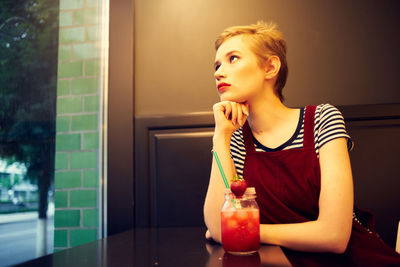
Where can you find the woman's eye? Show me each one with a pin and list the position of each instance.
(217, 67)
(233, 58)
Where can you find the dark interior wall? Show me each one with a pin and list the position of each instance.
(341, 52)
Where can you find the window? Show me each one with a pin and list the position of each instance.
(52, 63)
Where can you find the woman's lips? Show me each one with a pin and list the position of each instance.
(222, 87)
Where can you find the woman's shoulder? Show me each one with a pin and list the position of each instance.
(327, 112)
(327, 109)
(330, 124)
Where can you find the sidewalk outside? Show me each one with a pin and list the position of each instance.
(25, 216)
(17, 217)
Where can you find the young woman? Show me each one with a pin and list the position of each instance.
(297, 159)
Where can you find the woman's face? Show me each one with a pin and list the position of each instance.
(239, 76)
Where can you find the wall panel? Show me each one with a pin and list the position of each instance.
(375, 163)
(180, 165)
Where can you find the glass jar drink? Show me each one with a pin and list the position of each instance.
(240, 223)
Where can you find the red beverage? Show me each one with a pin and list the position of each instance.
(240, 225)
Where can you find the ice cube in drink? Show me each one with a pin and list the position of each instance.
(240, 230)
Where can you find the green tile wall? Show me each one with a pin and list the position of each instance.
(71, 35)
(92, 67)
(84, 51)
(90, 217)
(64, 52)
(92, 33)
(84, 86)
(63, 123)
(61, 199)
(90, 178)
(92, 103)
(71, 4)
(89, 140)
(86, 16)
(92, 3)
(62, 160)
(83, 160)
(63, 87)
(81, 236)
(68, 179)
(66, 19)
(61, 237)
(69, 105)
(70, 69)
(65, 218)
(68, 142)
(84, 122)
(77, 166)
(83, 198)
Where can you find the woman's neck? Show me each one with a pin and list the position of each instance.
(268, 114)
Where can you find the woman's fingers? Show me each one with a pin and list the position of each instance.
(220, 111)
(245, 108)
(235, 114)
(244, 113)
(239, 113)
(208, 235)
(240, 116)
(228, 110)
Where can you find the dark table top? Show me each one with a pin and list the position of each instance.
(158, 247)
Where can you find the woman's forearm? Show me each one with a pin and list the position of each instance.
(312, 236)
(215, 192)
(331, 231)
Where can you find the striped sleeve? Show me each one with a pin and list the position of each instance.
(238, 151)
(329, 125)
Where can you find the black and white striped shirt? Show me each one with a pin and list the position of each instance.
(328, 125)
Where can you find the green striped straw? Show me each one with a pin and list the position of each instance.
(220, 169)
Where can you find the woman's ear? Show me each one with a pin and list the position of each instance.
(272, 67)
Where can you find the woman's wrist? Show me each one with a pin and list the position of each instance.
(222, 134)
(221, 146)
(221, 139)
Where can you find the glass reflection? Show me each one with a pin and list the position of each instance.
(266, 256)
(28, 90)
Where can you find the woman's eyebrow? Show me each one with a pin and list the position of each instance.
(232, 52)
(226, 55)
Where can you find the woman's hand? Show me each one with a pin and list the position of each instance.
(229, 116)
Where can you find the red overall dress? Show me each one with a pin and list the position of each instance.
(288, 184)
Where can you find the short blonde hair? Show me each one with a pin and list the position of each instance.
(264, 40)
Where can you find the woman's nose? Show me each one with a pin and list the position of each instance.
(218, 74)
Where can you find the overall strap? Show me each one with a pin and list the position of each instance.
(248, 138)
(308, 140)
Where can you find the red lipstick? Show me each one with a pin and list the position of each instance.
(222, 87)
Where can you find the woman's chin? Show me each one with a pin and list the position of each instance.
(227, 97)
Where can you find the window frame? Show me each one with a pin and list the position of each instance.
(119, 183)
